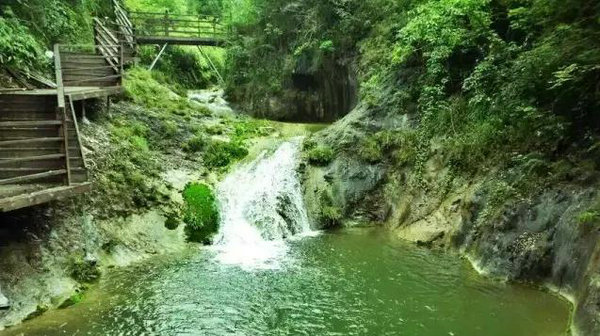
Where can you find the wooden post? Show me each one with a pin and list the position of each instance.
(60, 89)
(158, 56)
(61, 113)
(214, 27)
(83, 116)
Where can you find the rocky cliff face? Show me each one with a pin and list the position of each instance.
(538, 239)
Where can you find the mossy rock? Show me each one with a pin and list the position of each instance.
(85, 271)
(320, 155)
(201, 214)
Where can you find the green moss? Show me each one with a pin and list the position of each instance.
(370, 151)
(72, 300)
(330, 214)
(201, 215)
(250, 128)
(320, 155)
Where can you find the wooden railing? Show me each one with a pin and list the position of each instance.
(175, 25)
(123, 25)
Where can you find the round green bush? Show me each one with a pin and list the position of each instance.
(201, 214)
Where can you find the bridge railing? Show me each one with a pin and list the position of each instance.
(177, 25)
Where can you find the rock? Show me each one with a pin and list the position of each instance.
(4, 302)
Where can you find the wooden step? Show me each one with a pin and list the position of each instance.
(78, 174)
(88, 72)
(31, 123)
(35, 132)
(49, 101)
(48, 164)
(6, 162)
(26, 115)
(42, 196)
(33, 151)
(11, 190)
(30, 141)
(33, 177)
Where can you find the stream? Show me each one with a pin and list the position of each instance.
(270, 274)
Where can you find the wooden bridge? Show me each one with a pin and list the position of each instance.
(41, 153)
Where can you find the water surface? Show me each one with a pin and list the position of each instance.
(353, 282)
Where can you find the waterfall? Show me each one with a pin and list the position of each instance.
(261, 205)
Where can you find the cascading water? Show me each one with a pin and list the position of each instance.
(261, 204)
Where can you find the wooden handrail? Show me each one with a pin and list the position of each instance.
(74, 117)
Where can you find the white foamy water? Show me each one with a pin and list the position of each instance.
(261, 206)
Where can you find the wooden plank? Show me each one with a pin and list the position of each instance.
(46, 164)
(99, 92)
(29, 141)
(95, 79)
(35, 151)
(104, 67)
(4, 162)
(44, 196)
(23, 116)
(29, 123)
(180, 40)
(33, 177)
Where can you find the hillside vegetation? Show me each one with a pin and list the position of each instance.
(502, 81)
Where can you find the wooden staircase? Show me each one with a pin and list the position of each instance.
(40, 152)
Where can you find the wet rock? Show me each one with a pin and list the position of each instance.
(39, 311)
(4, 302)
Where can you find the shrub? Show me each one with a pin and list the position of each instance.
(220, 154)
(588, 217)
(85, 271)
(172, 222)
(320, 155)
(17, 47)
(195, 144)
(201, 215)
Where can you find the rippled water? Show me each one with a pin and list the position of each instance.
(356, 282)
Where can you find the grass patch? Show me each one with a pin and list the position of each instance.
(144, 90)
